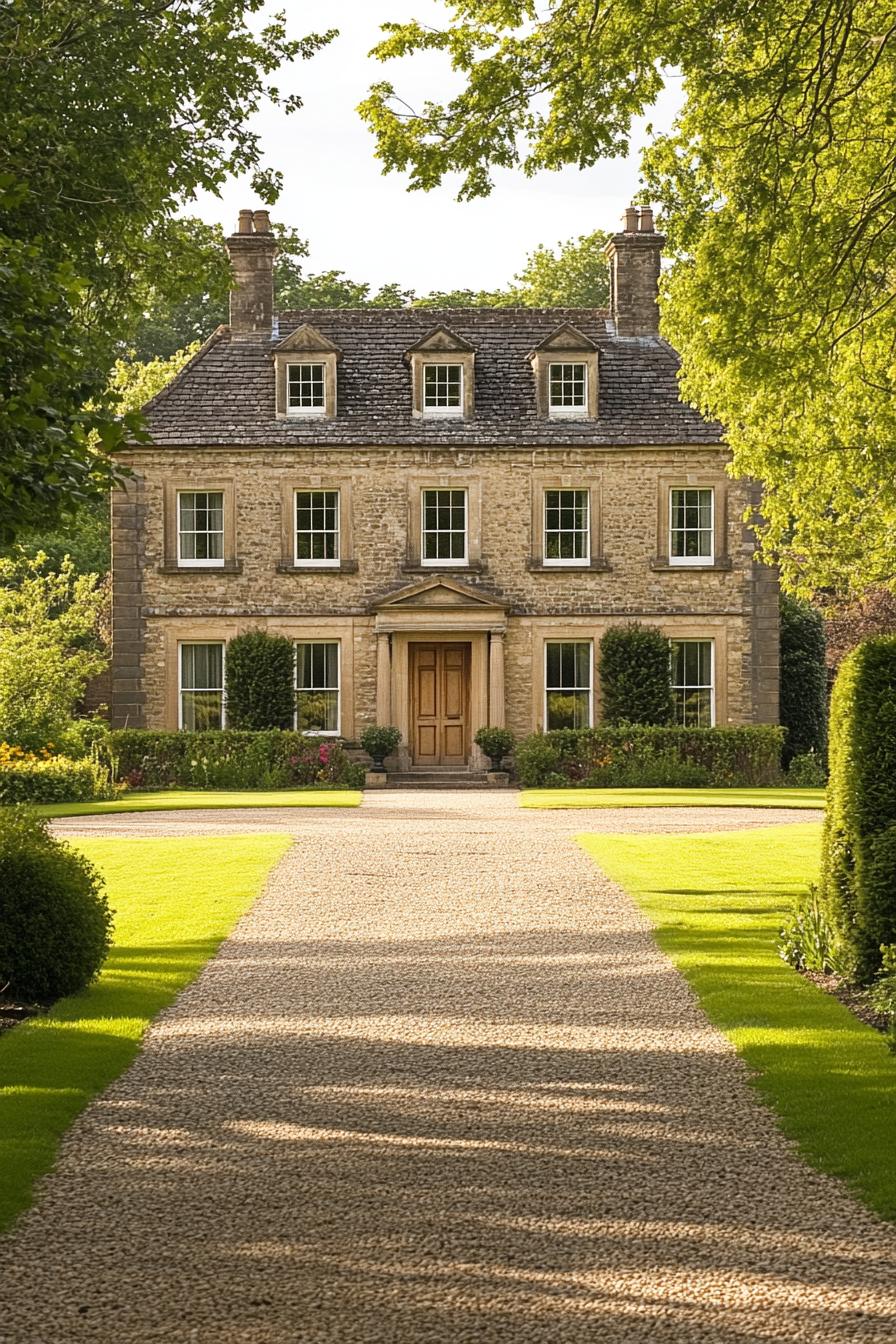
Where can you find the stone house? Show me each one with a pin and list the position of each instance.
(445, 510)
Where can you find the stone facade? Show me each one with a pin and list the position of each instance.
(379, 600)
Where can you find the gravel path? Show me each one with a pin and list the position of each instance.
(440, 1087)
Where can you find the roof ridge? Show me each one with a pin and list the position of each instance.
(479, 310)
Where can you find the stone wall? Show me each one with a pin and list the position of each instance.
(733, 600)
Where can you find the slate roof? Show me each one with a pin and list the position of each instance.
(225, 396)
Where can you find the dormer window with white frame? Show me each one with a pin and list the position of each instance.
(306, 389)
(305, 375)
(442, 375)
(565, 369)
(443, 389)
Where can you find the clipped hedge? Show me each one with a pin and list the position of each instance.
(54, 779)
(859, 845)
(260, 681)
(804, 689)
(635, 677)
(643, 756)
(55, 922)
(230, 759)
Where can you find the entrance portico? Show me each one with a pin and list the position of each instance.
(440, 669)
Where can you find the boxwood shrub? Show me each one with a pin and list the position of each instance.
(643, 756)
(260, 677)
(635, 676)
(859, 846)
(55, 923)
(231, 759)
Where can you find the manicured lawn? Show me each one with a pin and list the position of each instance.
(717, 902)
(672, 798)
(168, 800)
(174, 901)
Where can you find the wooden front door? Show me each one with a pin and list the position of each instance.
(439, 713)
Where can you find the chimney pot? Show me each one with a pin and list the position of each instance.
(630, 219)
(646, 220)
(245, 224)
(262, 220)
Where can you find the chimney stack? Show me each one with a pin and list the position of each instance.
(252, 250)
(634, 257)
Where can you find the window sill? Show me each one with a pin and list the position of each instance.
(600, 564)
(229, 567)
(338, 567)
(661, 565)
(444, 567)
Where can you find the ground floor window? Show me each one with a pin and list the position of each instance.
(692, 682)
(567, 682)
(201, 686)
(317, 687)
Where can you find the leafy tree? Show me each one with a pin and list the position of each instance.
(116, 114)
(49, 648)
(574, 276)
(777, 184)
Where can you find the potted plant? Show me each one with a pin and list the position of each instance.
(379, 741)
(496, 743)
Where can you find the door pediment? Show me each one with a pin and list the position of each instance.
(439, 603)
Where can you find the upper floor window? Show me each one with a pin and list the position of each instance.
(443, 389)
(567, 684)
(200, 527)
(317, 527)
(444, 527)
(567, 528)
(201, 690)
(691, 527)
(306, 389)
(567, 389)
(693, 688)
(317, 687)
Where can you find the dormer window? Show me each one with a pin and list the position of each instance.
(443, 389)
(305, 375)
(565, 369)
(306, 389)
(441, 367)
(568, 389)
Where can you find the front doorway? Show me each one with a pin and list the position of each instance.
(440, 680)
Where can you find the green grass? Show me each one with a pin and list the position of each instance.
(672, 798)
(172, 800)
(174, 901)
(717, 902)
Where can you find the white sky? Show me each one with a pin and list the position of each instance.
(364, 223)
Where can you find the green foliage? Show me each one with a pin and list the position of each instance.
(49, 648)
(575, 276)
(806, 771)
(804, 690)
(808, 940)
(54, 779)
(496, 743)
(635, 677)
(260, 681)
(379, 741)
(859, 853)
(651, 757)
(116, 115)
(773, 181)
(882, 996)
(55, 922)
(230, 759)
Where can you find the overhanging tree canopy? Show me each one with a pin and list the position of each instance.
(778, 187)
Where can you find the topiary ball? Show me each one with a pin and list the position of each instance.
(55, 921)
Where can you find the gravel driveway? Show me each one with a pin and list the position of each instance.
(439, 1087)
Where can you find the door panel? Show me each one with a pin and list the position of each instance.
(439, 682)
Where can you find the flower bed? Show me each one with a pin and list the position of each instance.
(230, 759)
(26, 777)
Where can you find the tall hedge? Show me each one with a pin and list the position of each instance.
(260, 681)
(859, 847)
(804, 707)
(635, 675)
